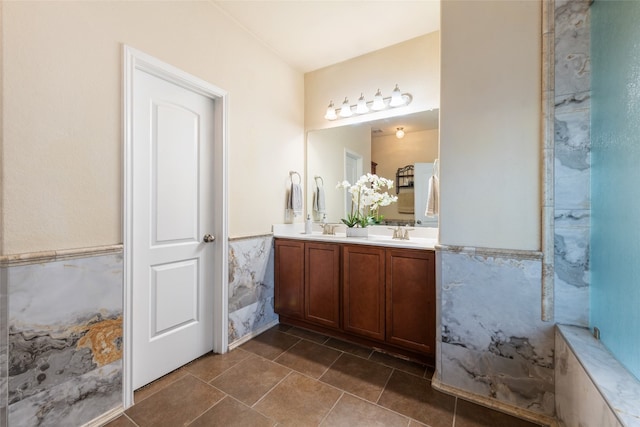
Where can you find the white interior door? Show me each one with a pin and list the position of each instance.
(173, 265)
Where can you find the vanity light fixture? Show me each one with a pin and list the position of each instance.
(361, 107)
(331, 112)
(379, 103)
(396, 98)
(345, 110)
(400, 133)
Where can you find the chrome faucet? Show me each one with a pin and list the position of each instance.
(329, 229)
(405, 235)
(401, 234)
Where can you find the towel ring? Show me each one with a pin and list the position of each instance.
(321, 180)
(291, 173)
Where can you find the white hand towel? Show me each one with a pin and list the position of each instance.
(319, 201)
(432, 197)
(294, 202)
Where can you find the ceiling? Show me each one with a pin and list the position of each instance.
(312, 34)
(416, 122)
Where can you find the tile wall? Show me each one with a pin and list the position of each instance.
(251, 278)
(572, 142)
(64, 328)
(64, 362)
(499, 350)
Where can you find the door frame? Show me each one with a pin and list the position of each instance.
(136, 60)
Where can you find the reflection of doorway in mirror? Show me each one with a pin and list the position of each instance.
(352, 172)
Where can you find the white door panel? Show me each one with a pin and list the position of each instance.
(172, 209)
(175, 169)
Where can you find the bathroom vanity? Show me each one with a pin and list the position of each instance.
(375, 291)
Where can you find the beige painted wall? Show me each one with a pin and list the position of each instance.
(489, 124)
(325, 157)
(392, 153)
(62, 165)
(1, 135)
(414, 65)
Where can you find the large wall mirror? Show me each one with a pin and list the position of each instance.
(347, 152)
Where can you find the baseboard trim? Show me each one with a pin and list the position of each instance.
(251, 335)
(492, 403)
(106, 417)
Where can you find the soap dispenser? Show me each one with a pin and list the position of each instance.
(307, 225)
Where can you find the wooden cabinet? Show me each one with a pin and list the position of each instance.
(307, 277)
(380, 296)
(322, 284)
(289, 278)
(410, 298)
(363, 290)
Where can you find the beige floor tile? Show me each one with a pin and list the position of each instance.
(308, 335)
(250, 379)
(309, 358)
(270, 344)
(211, 365)
(298, 401)
(351, 411)
(471, 415)
(398, 363)
(348, 347)
(413, 396)
(231, 413)
(143, 392)
(121, 421)
(358, 376)
(176, 405)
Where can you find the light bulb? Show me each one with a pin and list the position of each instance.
(345, 111)
(396, 98)
(378, 102)
(400, 133)
(331, 112)
(362, 108)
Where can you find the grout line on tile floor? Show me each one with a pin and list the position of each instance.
(386, 383)
(331, 409)
(271, 389)
(455, 410)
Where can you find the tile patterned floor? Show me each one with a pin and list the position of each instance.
(288, 376)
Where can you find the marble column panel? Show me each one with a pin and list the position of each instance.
(493, 342)
(4, 348)
(572, 153)
(65, 329)
(251, 285)
(572, 44)
(572, 149)
(572, 267)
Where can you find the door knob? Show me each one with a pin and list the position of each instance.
(208, 238)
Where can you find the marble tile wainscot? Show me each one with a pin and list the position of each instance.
(572, 163)
(499, 352)
(592, 387)
(251, 284)
(62, 356)
(4, 347)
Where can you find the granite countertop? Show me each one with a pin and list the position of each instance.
(419, 237)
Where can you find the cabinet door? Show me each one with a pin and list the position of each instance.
(322, 284)
(411, 305)
(289, 278)
(363, 290)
